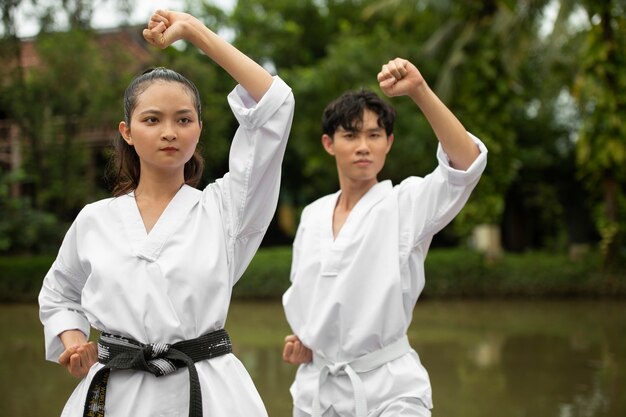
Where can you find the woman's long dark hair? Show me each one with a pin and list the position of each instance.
(126, 166)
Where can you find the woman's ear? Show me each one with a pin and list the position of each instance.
(328, 143)
(125, 132)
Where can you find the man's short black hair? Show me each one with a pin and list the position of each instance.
(347, 112)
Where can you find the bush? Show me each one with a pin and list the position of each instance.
(24, 229)
(21, 277)
(463, 273)
(450, 273)
(267, 275)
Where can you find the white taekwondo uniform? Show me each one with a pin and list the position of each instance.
(354, 294)
(174, 283)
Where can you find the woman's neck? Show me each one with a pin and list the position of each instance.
(159, 187)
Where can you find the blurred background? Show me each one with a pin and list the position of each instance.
(523, 311)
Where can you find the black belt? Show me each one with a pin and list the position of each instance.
(117, 352)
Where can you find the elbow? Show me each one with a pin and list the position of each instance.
(464, 161)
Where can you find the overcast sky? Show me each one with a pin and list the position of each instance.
(105, 15)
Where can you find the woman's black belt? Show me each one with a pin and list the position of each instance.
(117, 352)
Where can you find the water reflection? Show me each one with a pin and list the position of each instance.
(494, 359)
(485, 358)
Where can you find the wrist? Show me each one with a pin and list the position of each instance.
(72, 337)
(198, 34)
(421, 93)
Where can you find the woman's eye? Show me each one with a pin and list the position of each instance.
(185, 120)
(151, 120)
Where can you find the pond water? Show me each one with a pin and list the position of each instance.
(485, 358)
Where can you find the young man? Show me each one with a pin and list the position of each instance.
(358, 258)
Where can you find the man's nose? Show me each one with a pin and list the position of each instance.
(362, 145)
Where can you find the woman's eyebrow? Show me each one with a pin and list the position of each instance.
(159, 112)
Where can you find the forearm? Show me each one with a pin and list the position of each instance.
(252, 76)
(452, 135)
(73, 337)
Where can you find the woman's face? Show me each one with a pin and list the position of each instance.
(164, 127)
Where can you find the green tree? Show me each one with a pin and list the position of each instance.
(484, 47)
(76, 84)
(24, 229)
(599, 91)
(323, 49)
(545, 204)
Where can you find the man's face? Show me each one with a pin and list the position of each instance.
(360, 154)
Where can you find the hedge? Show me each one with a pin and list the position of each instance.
(458, 273)
(20, 277)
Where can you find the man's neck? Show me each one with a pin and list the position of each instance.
(352, 192)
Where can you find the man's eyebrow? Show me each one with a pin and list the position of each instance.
(354, 130)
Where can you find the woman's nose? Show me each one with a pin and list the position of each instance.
(169, 132)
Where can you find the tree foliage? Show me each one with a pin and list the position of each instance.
(546, 102)
(599, 90)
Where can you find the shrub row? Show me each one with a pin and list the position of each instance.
(21, 277)
(449, 273)
(463, 273)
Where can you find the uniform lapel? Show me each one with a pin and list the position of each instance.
(325, 218)
(134, 228)
(333, 248)
(365, 204)
(148, 246)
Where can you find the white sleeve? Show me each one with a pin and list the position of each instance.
(250, 188)
(433, 201)
(297, 243)
(60, 297)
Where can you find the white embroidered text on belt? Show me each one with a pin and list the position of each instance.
(117, 352)
(352, 368)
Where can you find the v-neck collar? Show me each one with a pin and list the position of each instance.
(332, 252)
(369, 199)
(148, 245)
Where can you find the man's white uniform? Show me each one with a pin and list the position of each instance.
(174, 283)
(354, 295)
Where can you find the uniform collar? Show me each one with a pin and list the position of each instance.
(148, 246)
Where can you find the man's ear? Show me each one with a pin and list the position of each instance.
(328, 144)
(125, 133)
(390, 139)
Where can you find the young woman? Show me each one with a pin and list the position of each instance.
(153, 267)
